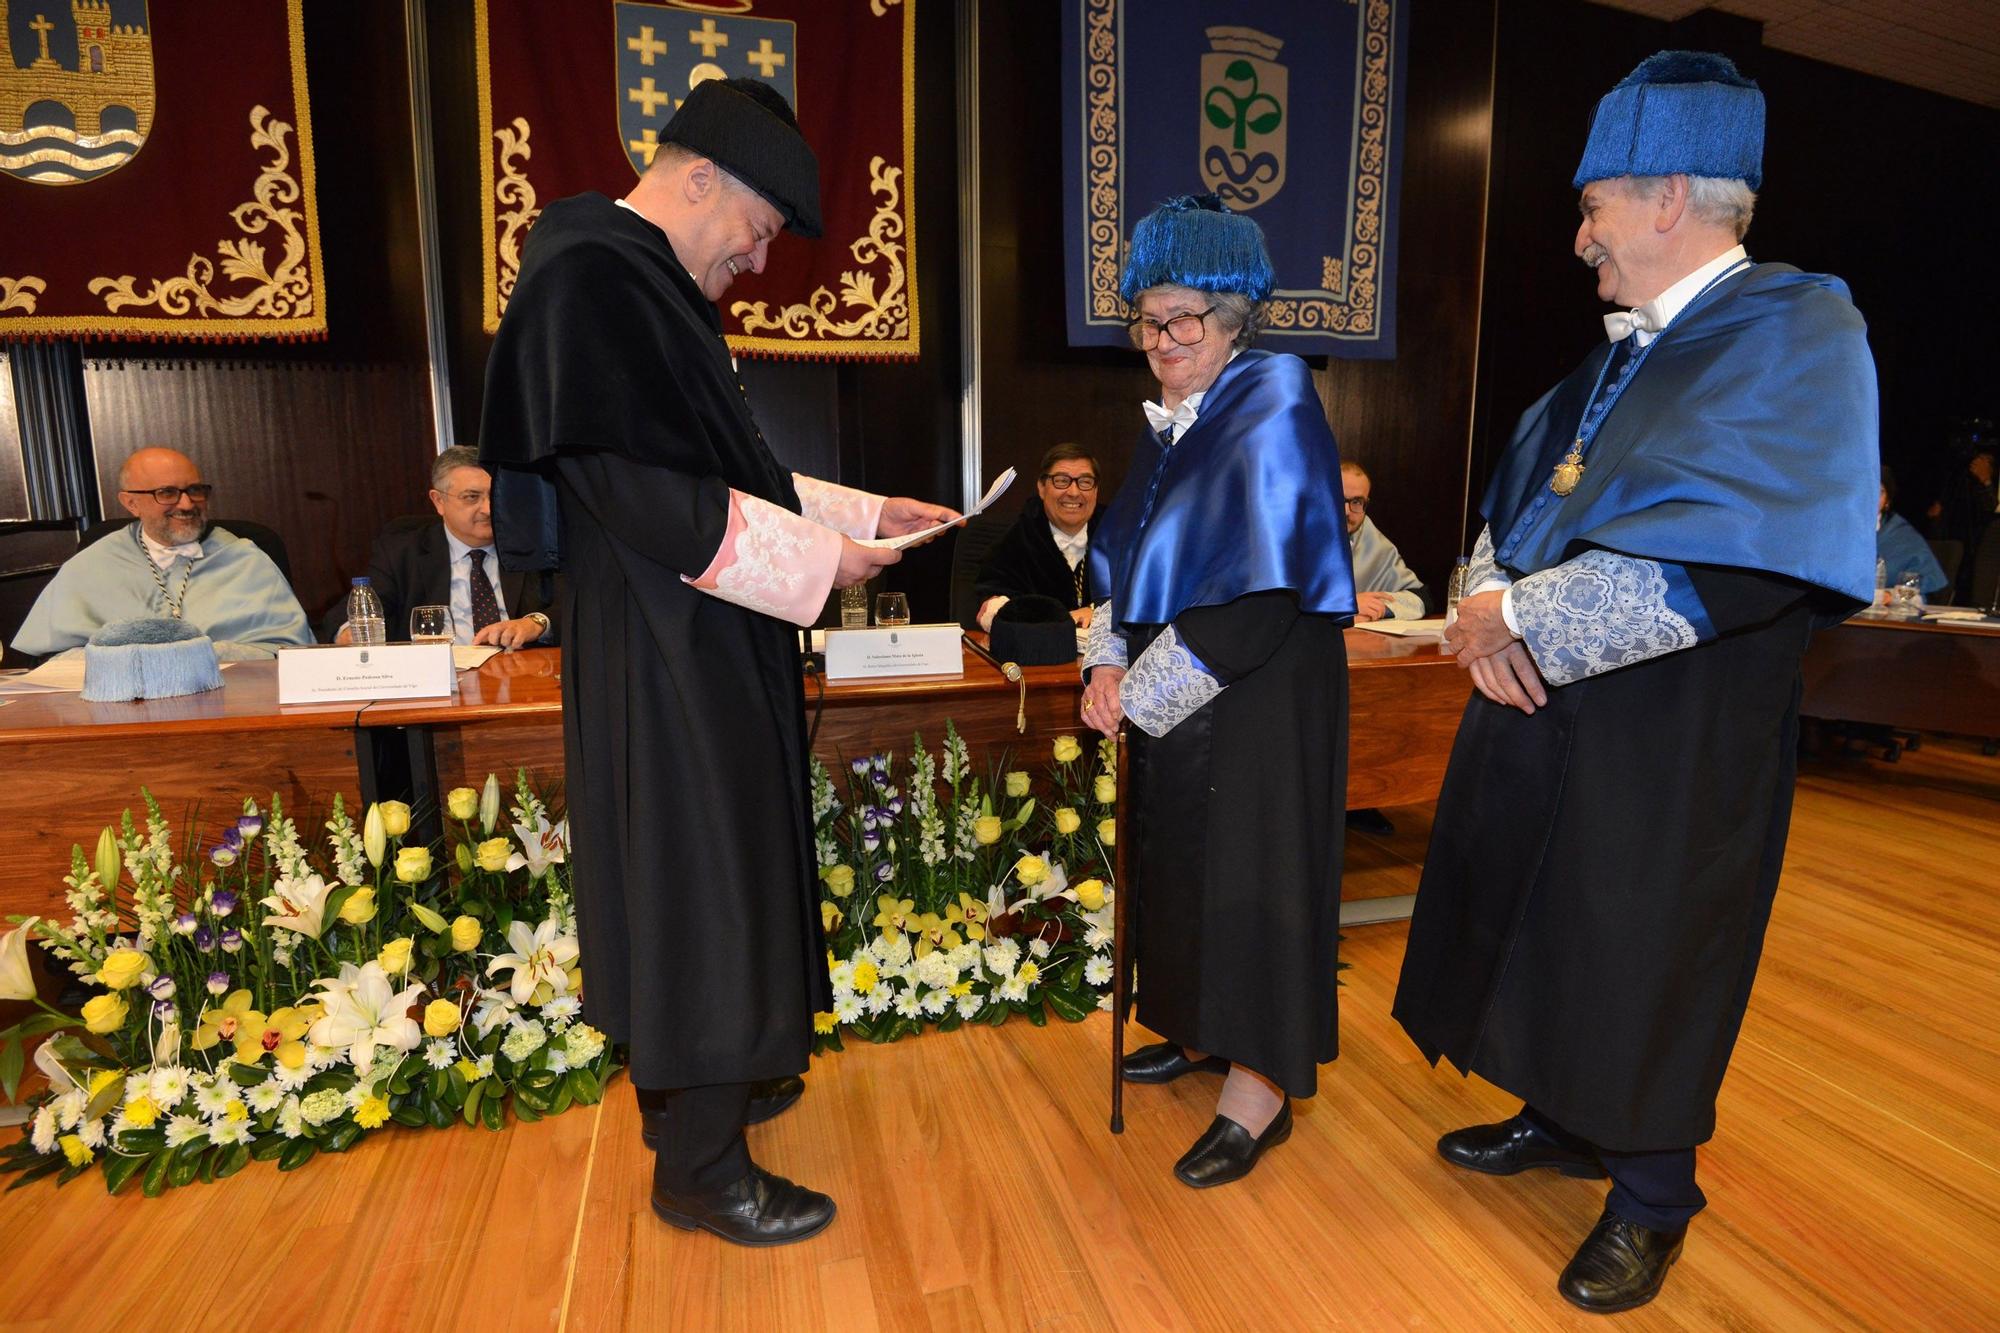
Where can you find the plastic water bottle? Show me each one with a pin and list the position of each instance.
(1881, 583)
(364, 615)
(1455, 589)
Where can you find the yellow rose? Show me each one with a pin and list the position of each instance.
(986, 830)
(1031, 870)
(395, 957)
(76, 1150)
(1068, 821)
(1067, 750)
(122, 968)
(461, 803)
(104, 1014)
(441, 1018)
(1089, 894)
(359, 909)
(142, 1111)
(1107, 832)
(839, 880)
(865, 977)
(465, 934)
(1017, 783)
(822, 1022)
(395, 818)
(829, 917)
(1106, 789)
(493, 853)
(413, 864)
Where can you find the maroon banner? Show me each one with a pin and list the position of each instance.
(156, 172)
(572, 97)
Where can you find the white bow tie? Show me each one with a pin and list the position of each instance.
(1160, 419)
(1622, 324)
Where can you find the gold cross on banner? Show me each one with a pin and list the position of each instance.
(647, 45)
(42, 28)
(647, 144)
(648, 97)
(708, 39)
(765, 59)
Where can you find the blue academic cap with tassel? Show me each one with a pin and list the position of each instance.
(1194, 241)
(1679, 112)
(150, 657)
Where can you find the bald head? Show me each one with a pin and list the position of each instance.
(155, 469)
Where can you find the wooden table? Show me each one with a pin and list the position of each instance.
(1918, 675)
(83, 763)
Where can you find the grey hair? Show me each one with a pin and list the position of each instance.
(1248, 316)
(1715, 200)
(449, 461)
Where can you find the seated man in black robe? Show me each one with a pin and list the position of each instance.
(1043, 554)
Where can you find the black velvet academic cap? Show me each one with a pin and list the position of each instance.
(746, 127)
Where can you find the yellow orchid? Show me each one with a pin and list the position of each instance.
(972, 913)
(229, 1023)
(829, 917)
(277, 1035)
(935, 932)
(896, 912)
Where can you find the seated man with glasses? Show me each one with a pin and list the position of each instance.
(1043, 554)
(1384, 587)
(174, 563)
(451, 562)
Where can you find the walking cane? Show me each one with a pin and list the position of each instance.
(1121, 944)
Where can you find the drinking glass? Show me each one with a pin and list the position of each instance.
(430, 624)
(892, 608)
(854, 607)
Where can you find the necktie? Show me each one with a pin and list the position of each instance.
(485, 606)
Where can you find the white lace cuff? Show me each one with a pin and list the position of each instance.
(1596, 613)
(772, 560)
(1166, 686)
(1102, 645)
(1484, 573)
(842, 508)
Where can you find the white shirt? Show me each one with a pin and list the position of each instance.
(164, 556)
(461, 586)
(1072, 546)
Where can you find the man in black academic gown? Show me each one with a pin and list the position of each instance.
(624, 449)
(1667, 527)
(1044, 554)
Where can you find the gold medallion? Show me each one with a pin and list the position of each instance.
(1568, 472)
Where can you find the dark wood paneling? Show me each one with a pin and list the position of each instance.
(13, 477)
(1920, 676)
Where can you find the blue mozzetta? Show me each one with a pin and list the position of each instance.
(1678, 112)
(148, 658)
(1193, 241)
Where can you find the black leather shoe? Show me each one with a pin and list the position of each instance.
(759, 1209)
(767, 1099)
(1513, 1146)
(1227, 1152)
(1370, 820)
(1620, 1265)
(1165, 1061)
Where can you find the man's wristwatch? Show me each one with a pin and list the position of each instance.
(539, 619)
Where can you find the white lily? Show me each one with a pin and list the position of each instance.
(16, 981)
(300, 904)
(60, 1080)
(364, 1010)
(540, 955)
(542, 846)
(489, 804)
(374, 835)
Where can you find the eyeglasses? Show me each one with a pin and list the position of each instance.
(1062, 481)
(1356, 502)
(171, 495)
(1187, 330)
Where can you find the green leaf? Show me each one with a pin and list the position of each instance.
(527, 1096)
(1069, 1006)
(142, 1142)
(528, 1115)
(270, 1147)
(410, 1116)
(399, 1086)
(100, 1105)
(34, 1025)
(186, 1163)
(582, 1085)
(994, 1014)
(336, 900)
(48, 1166)
(155, 1182)
(1038, 1015)
(296, 1154)
(247, 1076)
(472, 1100)
(231, 1160)
(12, 1060)
(459, 1087)
(562, 1100)
(70, 1173)
(440, 1115)
(342, 1138)
(951, 1022)
(494, 1113)
(119, 1168)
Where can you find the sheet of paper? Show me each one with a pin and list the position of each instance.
(993, 492)
(63, 675)
(1407, 629)
(465, 656)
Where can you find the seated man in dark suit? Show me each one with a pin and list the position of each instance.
(452, 563)
(1044, 552)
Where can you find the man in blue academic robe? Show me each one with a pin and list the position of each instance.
(1667, 527)
(172, 563)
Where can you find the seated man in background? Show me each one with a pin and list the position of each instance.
(1384, 587)
(451, 563)
(1043, 553)
(171, 563)
(1899, 548)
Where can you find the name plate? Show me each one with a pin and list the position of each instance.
(364, 671)
(894, 650)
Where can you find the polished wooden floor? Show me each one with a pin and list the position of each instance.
(1853, 1183)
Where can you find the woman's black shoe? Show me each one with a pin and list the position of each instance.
(1165, 1061)
(759, 1209)
(1620, 1265)
(1227, 1152)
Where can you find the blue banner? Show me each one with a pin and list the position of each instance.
(1291, 112)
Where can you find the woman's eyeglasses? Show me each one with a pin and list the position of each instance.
(1187, 330)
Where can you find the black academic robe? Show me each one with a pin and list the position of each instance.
(1600, 875)
(1238, 828)
(1027, 562)
(684, 730)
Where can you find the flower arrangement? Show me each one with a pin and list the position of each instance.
(947, 899)
(255, 1002)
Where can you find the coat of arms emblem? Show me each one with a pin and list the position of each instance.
(663, 51)
(1243, 112)
(76, 88)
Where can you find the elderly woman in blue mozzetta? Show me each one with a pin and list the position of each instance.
(1224, 562)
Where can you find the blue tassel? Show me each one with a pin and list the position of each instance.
(152, 657)
(1679, 112)
(1194, 241)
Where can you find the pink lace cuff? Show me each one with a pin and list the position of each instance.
(842, 508)
(772, 560)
